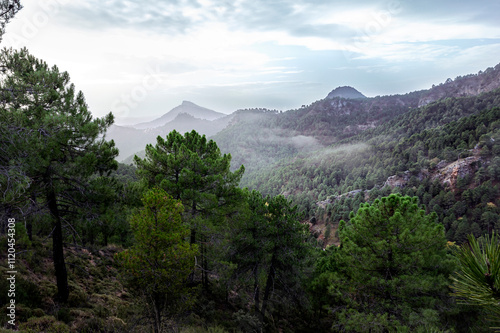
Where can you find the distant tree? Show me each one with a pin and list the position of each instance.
(477, 281)
(157, 265)
(394, 267)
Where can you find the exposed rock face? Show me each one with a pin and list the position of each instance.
(398, 181)
(332, 199)
(402, 181)
(450, 173)
(446, 173)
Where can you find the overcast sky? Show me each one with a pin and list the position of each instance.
(142, 58)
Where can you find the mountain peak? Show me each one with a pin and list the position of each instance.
(345, 92)
(186, 107)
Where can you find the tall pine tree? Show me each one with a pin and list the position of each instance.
(156, 267)
(392, 268)
(192, 169)
(53, 144)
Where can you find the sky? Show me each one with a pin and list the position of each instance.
(143, 58)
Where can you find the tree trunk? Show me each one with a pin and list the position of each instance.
(256, 288)
(29, 223)
(270, 281)
(204, 266)
(58, 248)
(29, 230)
(157, 310)
(159, 303)
(5, 221)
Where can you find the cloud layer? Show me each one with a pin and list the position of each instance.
(146, 57)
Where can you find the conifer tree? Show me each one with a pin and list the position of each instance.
(8, 8)
(158, 264)
(52, 143)
(192, 169)
(394, 267)
(270, 250)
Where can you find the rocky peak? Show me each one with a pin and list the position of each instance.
(345, 92)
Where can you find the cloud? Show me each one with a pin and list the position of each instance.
(161, 16)
(285, 53)
(315, 25)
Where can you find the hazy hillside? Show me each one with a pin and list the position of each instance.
(129, 140)
(183, 118)
(186, 108)
(468, 85)
(350, 148)
(267, 135)
(259, 138)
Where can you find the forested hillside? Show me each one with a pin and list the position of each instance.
(337, 153)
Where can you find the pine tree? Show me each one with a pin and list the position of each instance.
(8, 8)
(270, 249)
(394, 267)
(194, 170)
(158, 264)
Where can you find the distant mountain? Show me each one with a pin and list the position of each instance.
(345, 92)
(132, 140)
(259, 139)
(186, 107)
(129, 140)
(185, 122)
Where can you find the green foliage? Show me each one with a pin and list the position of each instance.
(270, 249)
(53, 145)
(477, 281)
(47, 324)
(193, 170)
(392, 267)
(8, 9)
(158, 264)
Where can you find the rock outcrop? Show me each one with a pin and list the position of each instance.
(450, 173)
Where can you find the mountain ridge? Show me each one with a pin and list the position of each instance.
(325, 121)
(185, 107)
